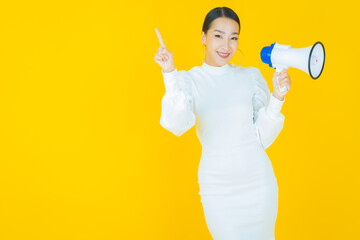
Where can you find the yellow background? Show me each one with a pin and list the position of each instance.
(82, 152)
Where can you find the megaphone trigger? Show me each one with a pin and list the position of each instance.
(278, 70)
(283, 89)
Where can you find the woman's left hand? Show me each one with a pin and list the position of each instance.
(284, 80)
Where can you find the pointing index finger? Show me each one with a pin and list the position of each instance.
(159, 37)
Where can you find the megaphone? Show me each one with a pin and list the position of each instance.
(310, 59)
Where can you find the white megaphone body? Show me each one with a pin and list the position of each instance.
(310, 59)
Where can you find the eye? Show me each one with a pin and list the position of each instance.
(235, 38)
(217, 36)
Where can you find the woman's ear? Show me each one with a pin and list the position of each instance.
(203, 38)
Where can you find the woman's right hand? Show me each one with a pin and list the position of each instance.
(163, 56)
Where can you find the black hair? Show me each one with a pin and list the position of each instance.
(219, 12)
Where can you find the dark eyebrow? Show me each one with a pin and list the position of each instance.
(224, 32)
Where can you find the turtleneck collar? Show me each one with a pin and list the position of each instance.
(216, 70)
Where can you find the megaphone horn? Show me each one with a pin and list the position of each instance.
(310, 59)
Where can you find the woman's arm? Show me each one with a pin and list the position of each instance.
(177, 114)
(269, 122)
(268, 119)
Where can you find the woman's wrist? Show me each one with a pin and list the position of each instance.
(169, 71)
(274, 106)
(278, 97)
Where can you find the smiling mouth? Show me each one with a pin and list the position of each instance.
(223, 55)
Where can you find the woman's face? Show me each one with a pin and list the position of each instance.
(221, 39)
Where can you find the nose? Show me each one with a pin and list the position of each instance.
(226, 45)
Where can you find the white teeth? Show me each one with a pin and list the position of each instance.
(224, 54)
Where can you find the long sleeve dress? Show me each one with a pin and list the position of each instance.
(236, 119)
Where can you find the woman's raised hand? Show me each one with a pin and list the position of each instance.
(163, 56)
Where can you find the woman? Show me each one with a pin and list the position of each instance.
(236, 119)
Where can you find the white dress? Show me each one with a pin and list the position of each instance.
(236, 119)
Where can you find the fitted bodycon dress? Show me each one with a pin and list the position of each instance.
(236, 119)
